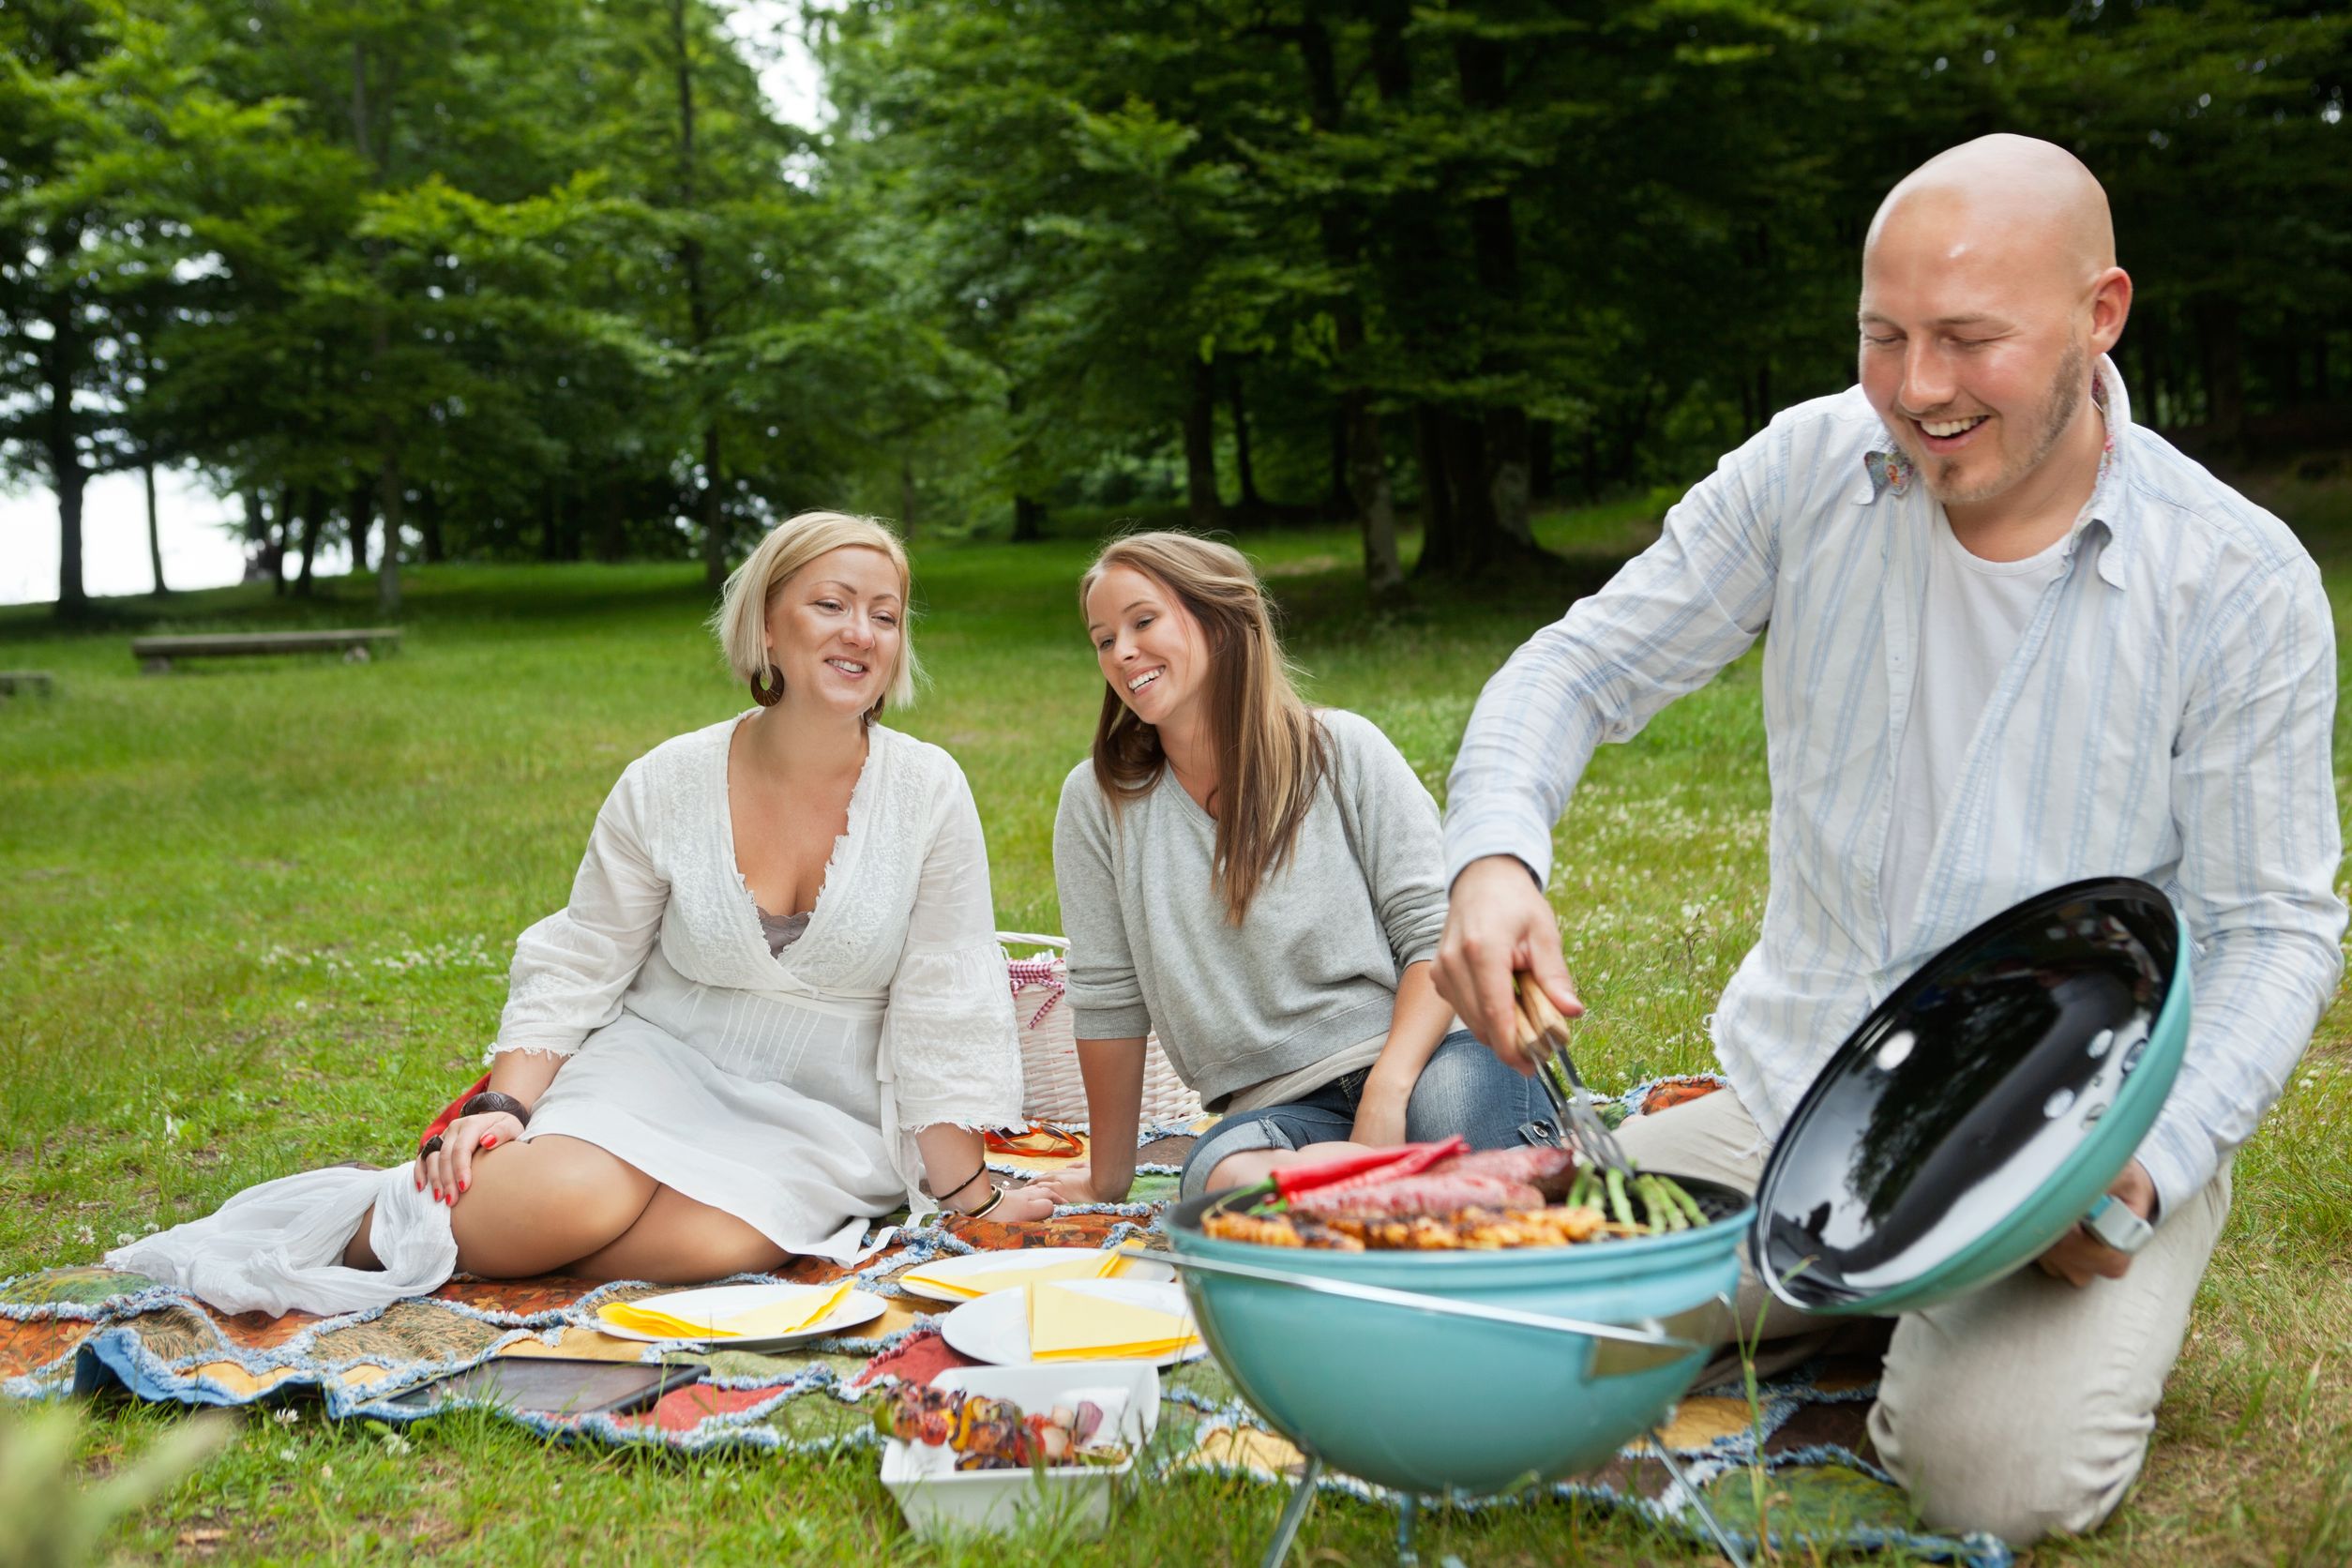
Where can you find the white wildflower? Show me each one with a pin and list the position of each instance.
(288, 1454)
(84, 1235)
(326, 1472)
(395, 1444)
(172, 1124)
(285, 1415)
(124, 1238)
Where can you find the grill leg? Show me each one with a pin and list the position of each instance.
(1408, 1515)
(1294, 1511)
(1707, 1515)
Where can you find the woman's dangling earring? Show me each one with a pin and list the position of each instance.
(766, 696)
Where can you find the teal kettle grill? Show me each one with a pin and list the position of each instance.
(1978, 1113)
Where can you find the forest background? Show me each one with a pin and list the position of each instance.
(513, 280)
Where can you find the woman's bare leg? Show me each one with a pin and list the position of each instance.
(533, 1207)
(677, 1240)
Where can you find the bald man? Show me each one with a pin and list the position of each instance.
(2016, 639)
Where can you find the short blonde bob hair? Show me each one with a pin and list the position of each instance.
(742, 618)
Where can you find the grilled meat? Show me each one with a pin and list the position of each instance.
(1425, 1194)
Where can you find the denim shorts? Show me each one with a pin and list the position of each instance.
(1463, 1089)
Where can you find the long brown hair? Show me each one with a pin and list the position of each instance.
(1269, 753)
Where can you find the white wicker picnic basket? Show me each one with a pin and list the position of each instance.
(1055, 1092)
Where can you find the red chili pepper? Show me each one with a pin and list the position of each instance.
(1377, 1164)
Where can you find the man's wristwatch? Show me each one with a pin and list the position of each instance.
(2113, 1222)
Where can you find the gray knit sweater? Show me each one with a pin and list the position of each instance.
(1314, 968)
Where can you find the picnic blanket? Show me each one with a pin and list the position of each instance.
(1792, 1461)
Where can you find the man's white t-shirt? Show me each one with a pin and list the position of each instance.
(1976, 614)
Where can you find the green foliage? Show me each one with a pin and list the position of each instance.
(48, 1518)
(551, 279)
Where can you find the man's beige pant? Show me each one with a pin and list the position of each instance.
(2023, 1408)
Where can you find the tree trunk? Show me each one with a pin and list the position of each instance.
(713, 514)
(1475, 543)
(1481, 65)
(1203, 506)
(155, 531)
(313, 511)
(1437, 502)
(551, 523)
(1507, 470)
(698, 311)
(374, 149)
(1375, 498)
(612, 540)
(2218, 334)
(269, 530)
(1342, 235)
(73, 600)
(64, 454)
(906, 491)
(1342, 501)
(394, 506)
(1251, 502)
(429, 525)
(359, 507)
(1029, 519)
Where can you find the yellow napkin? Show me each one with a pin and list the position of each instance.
(1075, 1325)
(789, 1316)
(1108, 1265)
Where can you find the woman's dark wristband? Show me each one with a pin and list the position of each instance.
(979, 1170)
(490, 1101)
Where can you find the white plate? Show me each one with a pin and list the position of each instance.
(968, 1269)
(725, 1301)
(995, 1328)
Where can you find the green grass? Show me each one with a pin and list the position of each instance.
(254, 917)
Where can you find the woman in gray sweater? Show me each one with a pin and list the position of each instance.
(1260, 883)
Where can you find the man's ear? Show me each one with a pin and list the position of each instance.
(2110, 307)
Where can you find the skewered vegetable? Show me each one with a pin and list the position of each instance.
(993, 1434)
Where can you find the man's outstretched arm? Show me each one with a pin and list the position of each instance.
(1675, 615)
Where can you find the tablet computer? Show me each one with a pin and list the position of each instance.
(554, 1385)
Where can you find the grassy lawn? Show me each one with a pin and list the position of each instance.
(254, 917)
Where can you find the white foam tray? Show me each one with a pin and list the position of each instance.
(974, 1501)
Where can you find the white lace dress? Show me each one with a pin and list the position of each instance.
(784, 1088)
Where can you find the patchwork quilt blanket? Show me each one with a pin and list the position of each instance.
(1790, 1463)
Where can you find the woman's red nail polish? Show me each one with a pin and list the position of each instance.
(467, 1183)
(490, 1143)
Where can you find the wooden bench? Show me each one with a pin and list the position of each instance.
(156, 654)
(15, 682)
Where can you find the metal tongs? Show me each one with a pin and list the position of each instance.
(1542, 1039)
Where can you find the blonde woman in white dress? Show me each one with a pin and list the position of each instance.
(773, 1009)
